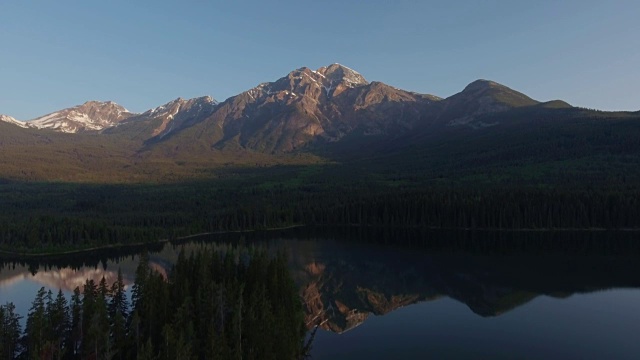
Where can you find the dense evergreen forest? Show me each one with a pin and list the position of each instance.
(241, 304)
(45, 218)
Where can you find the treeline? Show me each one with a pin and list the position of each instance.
(120, 216)
(486, 209)
(242, 304)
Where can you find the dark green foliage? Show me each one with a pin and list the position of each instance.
(239, 304)
(37, 326)
(58, 313)
(211, 307)
(76, 331)
(204, 208)
(10, 331)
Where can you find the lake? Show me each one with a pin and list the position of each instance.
(380, 294)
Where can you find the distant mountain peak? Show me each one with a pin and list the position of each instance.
(102, 105)
(479, 98)
(206, 98)
(482, 84)
(92, 115)
(175, 104)
(496, 92)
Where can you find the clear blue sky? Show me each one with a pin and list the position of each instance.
(55, 54)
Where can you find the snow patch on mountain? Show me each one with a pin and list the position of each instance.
(11, 120)
(342, 74)
(174, 106)
(175, 113)
(90, 116)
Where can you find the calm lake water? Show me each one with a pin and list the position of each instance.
(384, 294)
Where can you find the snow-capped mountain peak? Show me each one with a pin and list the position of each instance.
(341, 74)
(92, 115)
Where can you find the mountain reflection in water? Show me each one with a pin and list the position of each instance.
(64, 279)
(342, 282)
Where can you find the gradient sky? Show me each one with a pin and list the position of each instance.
(141, 54)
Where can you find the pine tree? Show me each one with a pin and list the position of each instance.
(60, 324)
(36, 328)
(118, 298)
(75, 334)
(98, 332)
(10, 332)
(142, 274)
(89, 310)
(119, 335)
(146, 351)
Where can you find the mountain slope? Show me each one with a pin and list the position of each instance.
(153, 125)
(11, 120)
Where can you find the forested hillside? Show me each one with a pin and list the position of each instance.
(321, 147)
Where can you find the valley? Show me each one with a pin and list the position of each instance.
(322, 147)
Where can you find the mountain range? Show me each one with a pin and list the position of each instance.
(329, 113)
(284, 115)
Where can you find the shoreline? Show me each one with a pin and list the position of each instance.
(183, 238)
(125, 246)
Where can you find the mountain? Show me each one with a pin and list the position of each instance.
(479, 98)
(307, 106)
(154, 124)
(90, 116)
(10, 120)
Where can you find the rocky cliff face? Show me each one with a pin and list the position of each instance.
(313, 105)
(155, 124)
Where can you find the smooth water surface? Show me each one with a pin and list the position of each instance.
(566, 297)
(602, 325)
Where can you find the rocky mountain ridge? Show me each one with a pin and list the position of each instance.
(90, 116)
(11, 120)
(304, 107)
(154, 124)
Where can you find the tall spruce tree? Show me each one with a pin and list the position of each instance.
(36, 328)
(10, 332)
